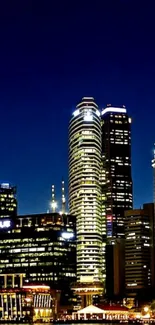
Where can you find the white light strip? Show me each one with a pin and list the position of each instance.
(36, 287)
(113, 110)
(76, 113)
(88, 98)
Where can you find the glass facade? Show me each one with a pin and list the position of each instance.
(116, 169)
(85, 189)
(43, 247)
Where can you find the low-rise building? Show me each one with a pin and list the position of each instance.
(31, 303)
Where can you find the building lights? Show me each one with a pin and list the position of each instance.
(76, 112)
(35, 287)
(67, 235)
(113, 110)
(116, 162)
(45, 243)
(5, 224)
(84, 188)
(88, 116)
(8, 206)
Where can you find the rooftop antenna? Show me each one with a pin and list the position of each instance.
(53, 204)
(63, 199)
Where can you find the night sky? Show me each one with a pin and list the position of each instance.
(54, 52)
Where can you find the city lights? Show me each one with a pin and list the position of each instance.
(113, 110)
(67, 235)
(84, 196)
(5, 224)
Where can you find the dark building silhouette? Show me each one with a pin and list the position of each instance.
(116, 164)
(116, 183)
(115, 270)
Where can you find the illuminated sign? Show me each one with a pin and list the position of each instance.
(113, 110)
(67, 235)
(88, 116)
(76, 113)
(5, 185)
(5, 224)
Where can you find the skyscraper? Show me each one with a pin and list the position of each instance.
(116, 164)
(85, 189)
(8, 202)
(139, 252)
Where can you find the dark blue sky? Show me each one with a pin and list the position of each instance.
(51, 54)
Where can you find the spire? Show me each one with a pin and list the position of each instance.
(63, 199)
(53, 204)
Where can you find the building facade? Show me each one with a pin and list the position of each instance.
(139, 252)
(85, 190)
(116, 178)
(43, 247)
(8, 203)
(115, 270)
(28, 303)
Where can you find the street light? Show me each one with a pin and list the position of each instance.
(146, 309)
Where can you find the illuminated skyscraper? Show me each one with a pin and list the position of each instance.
(8, 202)
(116, 163)
(139, 252)
(85, 189)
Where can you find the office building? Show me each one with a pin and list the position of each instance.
(116, 169)
(42, 246)
(139, 252)
(85, 190)
(8, 202)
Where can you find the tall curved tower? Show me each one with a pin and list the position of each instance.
(85, 189)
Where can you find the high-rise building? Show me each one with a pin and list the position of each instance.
(8, 202)
(116, 177)
(43, 247)
(139, 252)
(85, 189)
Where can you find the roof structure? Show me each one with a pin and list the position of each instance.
(114, 307)
(90, 310)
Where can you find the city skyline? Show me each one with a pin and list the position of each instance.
(58, 188)
(44, 73)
